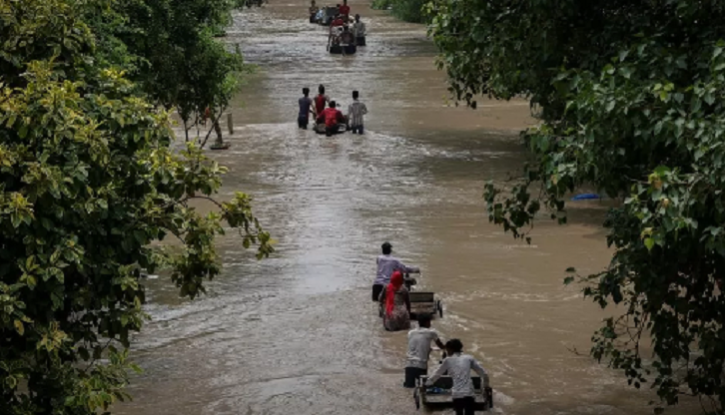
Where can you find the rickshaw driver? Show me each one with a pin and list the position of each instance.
(387, 265)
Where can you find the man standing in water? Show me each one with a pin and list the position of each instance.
(355, 113)
(459, 366)
(313, 11)
(345, 11)
(358, 28)
(387, 265)
(305, 103)
(320, 100)
(419, 345)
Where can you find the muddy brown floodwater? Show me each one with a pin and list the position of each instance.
(297, 334)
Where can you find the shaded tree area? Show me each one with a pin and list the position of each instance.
(406, 10)
(630, 98)
(89, 186)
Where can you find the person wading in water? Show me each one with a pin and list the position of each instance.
(355, 113)
(305, 103)
(321, 100)
(419, 345)
(459, 366)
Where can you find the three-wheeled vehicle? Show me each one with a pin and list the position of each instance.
(439, 395)
(421, 302)
(325, 15)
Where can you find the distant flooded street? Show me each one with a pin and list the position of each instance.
(297, 334)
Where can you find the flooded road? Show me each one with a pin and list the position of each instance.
(297, 334)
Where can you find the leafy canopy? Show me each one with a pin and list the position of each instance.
(406, 10)
(89, 185)
(629, 93)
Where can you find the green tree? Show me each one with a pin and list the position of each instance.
(407, 10)
(169, 50)
(629, 93)
(88, 187)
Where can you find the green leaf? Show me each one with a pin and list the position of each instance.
(19, 327)
(649, 243)
(23, 131)
(11, 382)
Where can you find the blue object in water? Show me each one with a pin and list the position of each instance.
(586, 196)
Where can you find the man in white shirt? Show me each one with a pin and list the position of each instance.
(355, 113)
(459, 366)
(387, 265)
(419, 345)
(359, 27)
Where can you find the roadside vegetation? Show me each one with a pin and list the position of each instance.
(630, 98)
(406, 10)
(90, 183)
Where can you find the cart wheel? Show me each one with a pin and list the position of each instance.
(440, 309)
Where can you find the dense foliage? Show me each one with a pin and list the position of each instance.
(630, 95)
(169, 50)
(406, 10)
(89, 185)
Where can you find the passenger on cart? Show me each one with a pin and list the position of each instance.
(419, 346)
(458, 366)
(337, 22)
(396, 299)
(387, 265)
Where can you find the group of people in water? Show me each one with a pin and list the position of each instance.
(389, 289)
(346, 33)
(328, 119)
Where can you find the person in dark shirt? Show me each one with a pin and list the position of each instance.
(305, 104)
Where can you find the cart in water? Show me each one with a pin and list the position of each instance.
(325, 15)
(438, 396)
(421, 302)
(424, 302)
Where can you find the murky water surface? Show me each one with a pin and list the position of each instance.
(297, 334)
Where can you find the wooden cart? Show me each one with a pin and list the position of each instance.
(424, 302)
(439, 396)
(421, 302)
